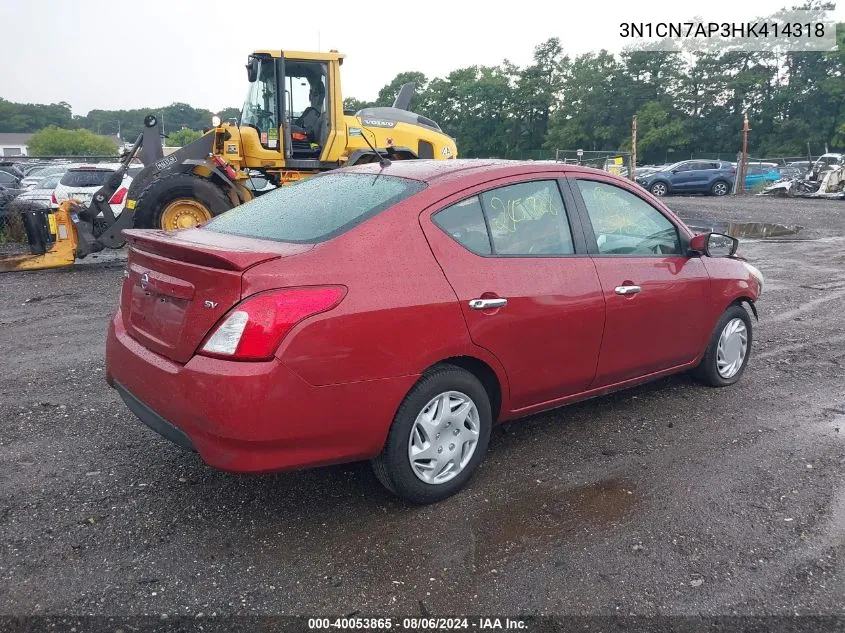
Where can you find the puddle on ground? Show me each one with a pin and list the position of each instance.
(755, 230)
(511, 525)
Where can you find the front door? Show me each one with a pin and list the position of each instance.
(653, 290)
(681, 177)
(528, 291)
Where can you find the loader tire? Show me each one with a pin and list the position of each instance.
(179, 201)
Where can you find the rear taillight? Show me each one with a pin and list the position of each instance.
(119, 196)
(254, 328)
(53, 198)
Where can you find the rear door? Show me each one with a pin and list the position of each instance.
(654, 292)
(702, 174)
(516, 259)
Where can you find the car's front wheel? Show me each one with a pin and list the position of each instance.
(659, 189)
(728, 351)
(438, 437)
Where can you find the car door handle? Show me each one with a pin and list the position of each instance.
(487, 304)
(627, 290)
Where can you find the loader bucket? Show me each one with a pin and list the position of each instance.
(51, 237)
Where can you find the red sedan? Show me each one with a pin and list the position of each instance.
(396, 313)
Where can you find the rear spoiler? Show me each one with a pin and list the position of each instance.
(214, 251)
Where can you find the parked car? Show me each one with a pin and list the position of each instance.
(82, 182)
(396, 313)
(15, 170)
(42, 193)
(691, 176)
(35, 176)
(646, 170)
(758, 177)
(9, 180)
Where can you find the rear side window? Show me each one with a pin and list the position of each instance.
(528, 219)
(464, 221)
(315, 209)
(85, 177)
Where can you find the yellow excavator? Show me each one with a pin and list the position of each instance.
(292, 126)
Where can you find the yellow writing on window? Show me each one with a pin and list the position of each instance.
(508, 213)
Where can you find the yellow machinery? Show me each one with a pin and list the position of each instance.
(292, 126)
(52, 240)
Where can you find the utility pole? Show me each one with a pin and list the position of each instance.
(633, 171)
(743, 167)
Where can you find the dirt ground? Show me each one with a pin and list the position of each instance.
(671, 498)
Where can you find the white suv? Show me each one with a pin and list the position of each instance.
(81, 183)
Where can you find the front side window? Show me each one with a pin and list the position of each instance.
(528, 219)
(315, 209)
(625, 224)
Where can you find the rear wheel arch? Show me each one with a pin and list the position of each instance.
(485, 374)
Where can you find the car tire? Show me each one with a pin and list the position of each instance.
(659, 189)
(733, 333)
(419, 426)
(720, 188)
(155, 197)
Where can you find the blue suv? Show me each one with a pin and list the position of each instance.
(691, 176)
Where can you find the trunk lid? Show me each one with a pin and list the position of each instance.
(177, 286)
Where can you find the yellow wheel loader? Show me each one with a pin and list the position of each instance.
(292, 126)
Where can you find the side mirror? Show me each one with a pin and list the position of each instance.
(714, 244)
(252, 69)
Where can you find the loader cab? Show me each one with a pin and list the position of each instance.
(288, 117)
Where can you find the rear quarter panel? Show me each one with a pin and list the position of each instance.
(399, 315)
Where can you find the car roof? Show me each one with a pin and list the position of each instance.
(443, 171)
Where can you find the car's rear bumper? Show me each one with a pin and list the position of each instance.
(251, 416)
(153, 419)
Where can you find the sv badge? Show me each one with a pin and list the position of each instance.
(210, 304)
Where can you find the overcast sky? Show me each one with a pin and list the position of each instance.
(115, 54)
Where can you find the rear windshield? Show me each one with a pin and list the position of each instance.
(50, 182)
(86, 177)
(315, 209)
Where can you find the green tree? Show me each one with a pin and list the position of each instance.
(30, 117)
(351, 104)
(55, 141)
(182, 137)
(227, 114)
(591, 115)
(388, 93)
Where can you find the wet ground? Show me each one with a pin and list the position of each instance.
(668, 499)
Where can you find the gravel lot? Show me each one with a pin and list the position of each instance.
(668, 499)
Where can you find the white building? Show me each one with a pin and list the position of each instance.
(14, 143)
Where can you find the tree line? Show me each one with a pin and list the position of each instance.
(32, 117)
(686, 104)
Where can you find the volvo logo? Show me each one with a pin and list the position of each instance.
(145, 281)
